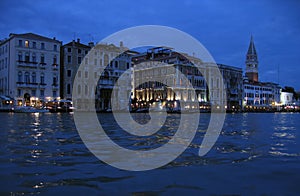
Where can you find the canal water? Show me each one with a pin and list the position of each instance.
(255, 154)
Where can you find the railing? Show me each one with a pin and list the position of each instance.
(43, 65)
(55, 86)
(27, 85)
(27, 64)
(55, 66)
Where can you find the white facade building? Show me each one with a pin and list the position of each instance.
(286, 98)
(29, 68)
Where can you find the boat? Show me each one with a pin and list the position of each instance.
(29, 109)
(6, 104)
(61, 106)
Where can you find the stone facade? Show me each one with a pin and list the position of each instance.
(30, 68)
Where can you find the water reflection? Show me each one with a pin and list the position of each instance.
(284, 136)
(43, 153)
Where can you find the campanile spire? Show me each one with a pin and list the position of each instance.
(252, 62)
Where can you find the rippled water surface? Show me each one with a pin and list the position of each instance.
(255, 154)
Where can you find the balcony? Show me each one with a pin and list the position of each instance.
(42, 65)
(42, 85)
(55, 86)
(27, 64)
(55, 67)
(27, 85)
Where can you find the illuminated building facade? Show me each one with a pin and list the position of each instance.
(30, 70)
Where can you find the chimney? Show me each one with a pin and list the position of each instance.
(54, 38)
(121, 44)
(91, 44)
(78, 40)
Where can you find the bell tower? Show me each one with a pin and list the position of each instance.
(252, 63)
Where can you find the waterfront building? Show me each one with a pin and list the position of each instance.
(233, 81)
(72, 55)
(286, 98)
(104, 65)
(257, 95)
(29, 68)
(261, 94)
(163, 76)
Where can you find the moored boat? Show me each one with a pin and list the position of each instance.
(29, 109)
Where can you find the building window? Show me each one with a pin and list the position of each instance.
(42, 93)
(42, 46)
(69, 59)
(33, 77)
(79, 74)
(20, 43)
(69, 50)
(54, 60)
(33, 92)
(106, 60)
(79, 51)
(20, 56)
(79, 60)
(20, 75)
(127, 65)
(86, 89)
(54, 81)
(26, 43)
(42, 58)
(54, 93)
(68, 89)
(116, 64)
(27, 58)
(19, 92)
(27, 79)
(79, 89)
(86, 74)
(33, 58)
(42, 78)
(55, 47)
(69, 73)
(33, 44)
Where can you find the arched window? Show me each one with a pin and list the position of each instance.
(86, 90)
(33, 77)
(106, 60)
(27, 57)
(42, 78)
(54, 59)
(33, 57)
(20, 76)
(27, 79)
(20, 56)
(79, 89)
(42, 58)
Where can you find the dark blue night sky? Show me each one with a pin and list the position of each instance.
(223, 27)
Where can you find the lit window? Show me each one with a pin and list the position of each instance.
(26, 43)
